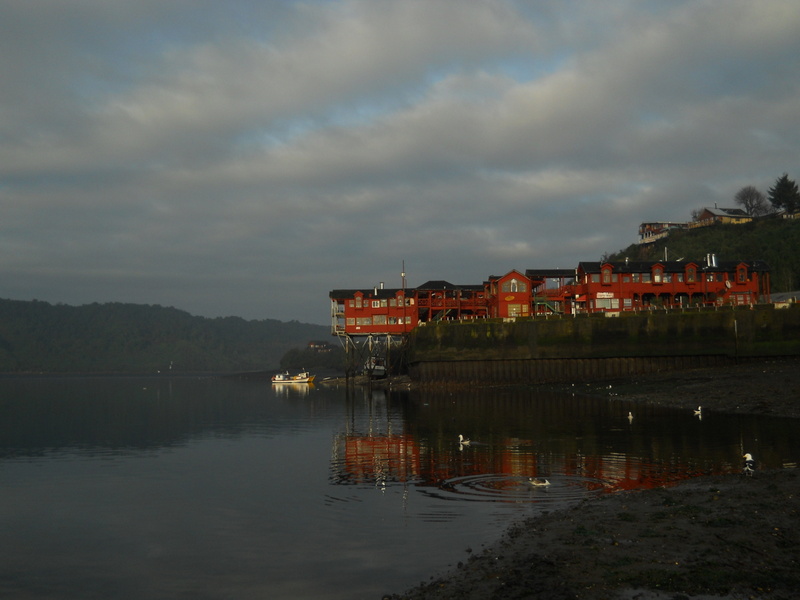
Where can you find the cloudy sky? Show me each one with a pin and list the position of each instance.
(246, 157)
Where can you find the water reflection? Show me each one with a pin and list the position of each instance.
(290, 390)
(159, 488)
(583, 446)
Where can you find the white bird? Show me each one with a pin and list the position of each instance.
(462, 440)
(699, 411)
(630, 417)
(749, 464)
(538, 481)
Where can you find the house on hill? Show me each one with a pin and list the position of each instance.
(651, 232)
(727, 216)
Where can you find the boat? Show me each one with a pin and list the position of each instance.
(302, 377)
(375, 367)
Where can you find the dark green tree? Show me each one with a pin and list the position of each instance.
(784, 194)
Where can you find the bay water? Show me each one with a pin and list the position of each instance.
(211, 488)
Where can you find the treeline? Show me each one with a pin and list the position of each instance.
(37, 336)
(771, 239)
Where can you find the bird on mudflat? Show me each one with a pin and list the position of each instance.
(462, 440)
(749, 464)
(538, 481)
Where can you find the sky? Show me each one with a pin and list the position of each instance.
(244, 158)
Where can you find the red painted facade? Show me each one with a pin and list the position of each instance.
(626, 286)
(608, 287)
(509, 296)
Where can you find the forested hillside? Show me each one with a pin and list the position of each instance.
(129, 338)
(773, 240)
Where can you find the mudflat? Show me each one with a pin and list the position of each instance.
(731, 536)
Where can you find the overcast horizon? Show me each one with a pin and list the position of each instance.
(245, 158)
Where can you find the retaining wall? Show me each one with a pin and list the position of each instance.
(586, 347)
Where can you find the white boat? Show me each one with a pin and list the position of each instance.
(375, 367)
(302, 377)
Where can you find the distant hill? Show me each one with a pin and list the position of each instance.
(131, 338)
(773, 240)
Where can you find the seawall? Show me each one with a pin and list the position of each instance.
(593, 347)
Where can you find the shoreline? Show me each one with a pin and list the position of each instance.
(713, 537)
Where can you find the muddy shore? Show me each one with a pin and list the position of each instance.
(731, 536)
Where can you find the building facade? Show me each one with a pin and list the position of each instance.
(627, 286)
(593, 287)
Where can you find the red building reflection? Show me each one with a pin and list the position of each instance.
(376, 459)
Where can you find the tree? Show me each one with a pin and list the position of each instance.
(784, 194)
(753, 201)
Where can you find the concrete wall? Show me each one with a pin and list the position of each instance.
(595, 346)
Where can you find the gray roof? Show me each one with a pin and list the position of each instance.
(726, 212)
(673, 266)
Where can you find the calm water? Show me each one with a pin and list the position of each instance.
(119, 488)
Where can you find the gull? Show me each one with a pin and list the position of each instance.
(630, 417)
(538, 481)
(749, 464)
(462, 440)
(698, 412)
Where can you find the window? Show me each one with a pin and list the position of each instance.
(657, 275)
(607, 303)
(691, 275)
(645, 277)
(626, 279)
(679, 277)
(379, 320)
(358, 302)
(606, 276)
(741, 275)
(636, 277)
(350, 321)
(514, 286)
(595, 278)
(376, 304)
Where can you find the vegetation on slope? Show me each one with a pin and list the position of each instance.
(129, 338)
(773, 240)
(308, 358)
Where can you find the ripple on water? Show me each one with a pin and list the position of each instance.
(500, 487)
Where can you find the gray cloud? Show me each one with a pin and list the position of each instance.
(245, 158)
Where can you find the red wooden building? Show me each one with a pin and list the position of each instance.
(626, 286)
(373, 311)
(607, 287)
(508, 296)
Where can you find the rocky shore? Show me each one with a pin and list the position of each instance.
(731, 537)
